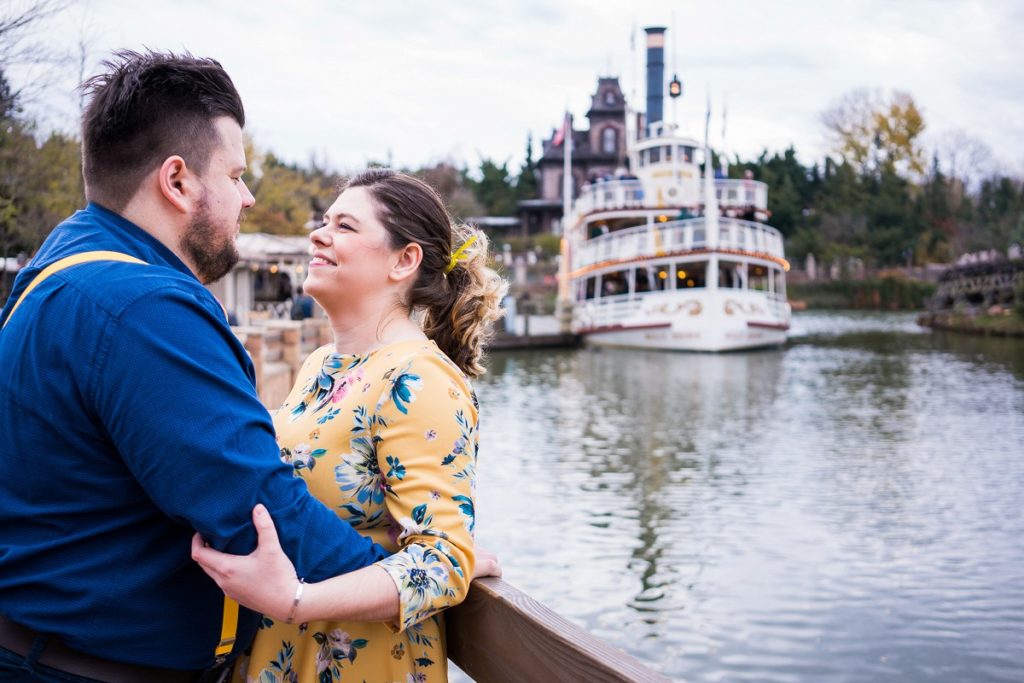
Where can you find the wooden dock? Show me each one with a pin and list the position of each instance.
(506, 342)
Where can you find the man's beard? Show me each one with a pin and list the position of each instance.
(212, 253)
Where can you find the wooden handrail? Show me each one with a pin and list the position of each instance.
(501, 635)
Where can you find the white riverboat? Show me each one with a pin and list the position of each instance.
(670, 258)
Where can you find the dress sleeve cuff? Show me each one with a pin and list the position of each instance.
(423, 578)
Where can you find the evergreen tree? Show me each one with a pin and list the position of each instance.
(526, 181)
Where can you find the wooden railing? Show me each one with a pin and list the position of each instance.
(501, 635)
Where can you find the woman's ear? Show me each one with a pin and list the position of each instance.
(409, 259)
(178, 184)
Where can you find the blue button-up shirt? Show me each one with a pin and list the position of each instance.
(128, 419)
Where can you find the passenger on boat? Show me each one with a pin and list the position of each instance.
(382, 426)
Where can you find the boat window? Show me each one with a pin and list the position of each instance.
(654, 154)
(590, 287)
(661, 278)
(731, 274)
(698, 237)
(614, 283)
(686, 154)
(778, 282)
(668, 154)
(691, 275)
(642, 277)
(758, 278)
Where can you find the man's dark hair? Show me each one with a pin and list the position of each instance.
(146, 107)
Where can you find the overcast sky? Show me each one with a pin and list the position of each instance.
(356, 81)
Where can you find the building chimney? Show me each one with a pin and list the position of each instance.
(655, 74)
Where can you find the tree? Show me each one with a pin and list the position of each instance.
(287, 196)
(526, 181)
(18, 43)
(450, 182)
(495, 188)
(874, 132)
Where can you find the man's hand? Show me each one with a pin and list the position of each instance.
(486, 564)
(263, 581)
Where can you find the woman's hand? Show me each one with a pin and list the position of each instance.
(263, 581)
(486, 564)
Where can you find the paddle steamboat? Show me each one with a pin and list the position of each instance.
(667, 256)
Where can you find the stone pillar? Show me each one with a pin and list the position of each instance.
(252, 339)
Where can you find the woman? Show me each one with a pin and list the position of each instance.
(382, 425)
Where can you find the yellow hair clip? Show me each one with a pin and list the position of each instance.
(459, 255)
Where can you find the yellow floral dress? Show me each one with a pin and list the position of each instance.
(389, 441)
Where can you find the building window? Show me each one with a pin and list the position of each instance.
(609, 97)
(608, 141)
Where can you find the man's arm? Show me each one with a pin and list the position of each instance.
(172, 390)
(265, 581)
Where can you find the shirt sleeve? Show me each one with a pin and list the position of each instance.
(427, 431)
(174, 390)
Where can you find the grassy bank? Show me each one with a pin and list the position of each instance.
(883, 293)
(1008, 323)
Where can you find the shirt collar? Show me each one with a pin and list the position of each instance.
(149, 248)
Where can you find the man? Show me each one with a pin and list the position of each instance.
(128, 414)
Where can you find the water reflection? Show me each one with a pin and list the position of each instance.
(843, 509)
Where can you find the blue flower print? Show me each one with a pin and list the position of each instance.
(397, 470)
(401, 389)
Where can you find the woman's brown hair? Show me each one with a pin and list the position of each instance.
(460, 300)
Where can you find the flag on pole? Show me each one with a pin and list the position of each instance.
(563, 131)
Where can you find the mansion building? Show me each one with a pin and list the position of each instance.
(597, 151)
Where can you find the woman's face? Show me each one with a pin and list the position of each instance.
(351, 254)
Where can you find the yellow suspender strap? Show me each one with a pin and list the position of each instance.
(84, 257)
(229, 624)
(228, 628)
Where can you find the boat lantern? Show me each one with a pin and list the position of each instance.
(675, 87)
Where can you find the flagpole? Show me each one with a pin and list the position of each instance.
(567, 184)
(563, 263)
(710, 198)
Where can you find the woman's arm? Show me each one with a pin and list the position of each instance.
(265, 581)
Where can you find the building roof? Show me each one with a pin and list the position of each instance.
(261, 246)
(608, 98)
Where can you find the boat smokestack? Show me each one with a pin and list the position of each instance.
(655, 74)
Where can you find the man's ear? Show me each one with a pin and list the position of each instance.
(178, 184)
(409, 260)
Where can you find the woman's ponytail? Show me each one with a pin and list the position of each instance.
(462, 324)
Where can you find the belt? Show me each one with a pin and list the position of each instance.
(20, 640)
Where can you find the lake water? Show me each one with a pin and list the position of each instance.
(846, 508)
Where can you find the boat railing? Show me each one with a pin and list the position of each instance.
(608, 195)
(501, 635)
(677, 236)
